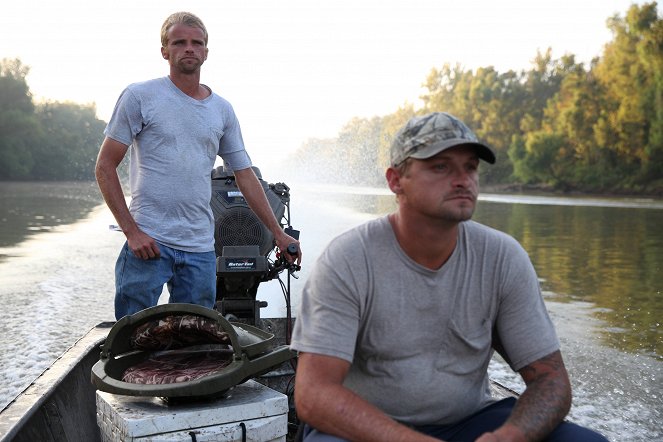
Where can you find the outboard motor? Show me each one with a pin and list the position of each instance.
(243, 245)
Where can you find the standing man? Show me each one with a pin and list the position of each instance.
(176, 127)
(400, 316)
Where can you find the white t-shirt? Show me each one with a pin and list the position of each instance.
(174, 142)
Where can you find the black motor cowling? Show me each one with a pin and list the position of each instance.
(235, 224)
(242, 244)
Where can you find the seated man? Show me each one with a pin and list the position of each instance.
(400, 316)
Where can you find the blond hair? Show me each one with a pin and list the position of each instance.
(181, 18)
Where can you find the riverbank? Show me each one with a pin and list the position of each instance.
(654, 192)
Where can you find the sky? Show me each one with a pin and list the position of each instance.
(293, 69)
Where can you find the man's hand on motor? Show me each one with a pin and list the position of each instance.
(282, 242)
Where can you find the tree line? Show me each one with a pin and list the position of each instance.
(54, 141)
(559, 125)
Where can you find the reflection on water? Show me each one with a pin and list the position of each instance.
(609, 256)
(29, 207)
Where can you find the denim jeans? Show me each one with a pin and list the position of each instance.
(190, 277)
(487, 419)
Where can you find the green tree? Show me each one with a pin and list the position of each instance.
(18, 127)
(541, 83)
(72, 136)
(631, 71)
(540, 162)
(50, 141)
(447, 90)
(576, 113)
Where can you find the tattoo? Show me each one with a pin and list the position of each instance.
(546, 400)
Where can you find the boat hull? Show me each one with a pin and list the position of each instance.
(59, 404)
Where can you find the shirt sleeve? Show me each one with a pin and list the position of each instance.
(231, 145)
(237, 160)
(329, 312)
(126, 121)
(524, 328)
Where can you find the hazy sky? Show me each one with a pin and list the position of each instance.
(293, 69)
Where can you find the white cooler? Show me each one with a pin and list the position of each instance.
(250, 411)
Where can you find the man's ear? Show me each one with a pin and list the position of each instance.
(394, 180)
(164, 53)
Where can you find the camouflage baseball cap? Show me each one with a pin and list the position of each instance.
(427, 135)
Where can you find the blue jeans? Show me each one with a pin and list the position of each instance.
(191, 278)
(487, 419)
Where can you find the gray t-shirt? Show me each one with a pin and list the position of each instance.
(418, 340)
(174, 141)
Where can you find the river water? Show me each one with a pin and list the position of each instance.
(600, 262)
